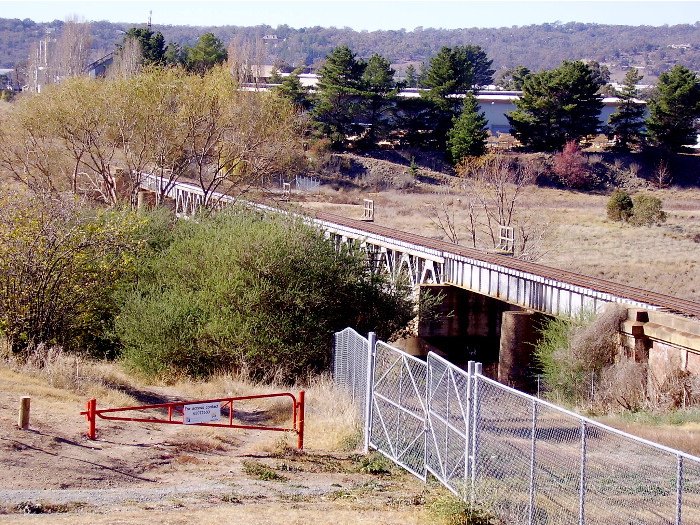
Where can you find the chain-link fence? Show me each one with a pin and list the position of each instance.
(526, 460)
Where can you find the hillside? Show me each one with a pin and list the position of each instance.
(654, 49)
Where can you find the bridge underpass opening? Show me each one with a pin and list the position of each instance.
(473, 327)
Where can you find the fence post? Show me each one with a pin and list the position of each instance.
(467, 441)
(475, 427)
(679, 491)
(91, 409)
(582, 479)
(300, 428)
(23, 416)
(533, 443)
(371, 345)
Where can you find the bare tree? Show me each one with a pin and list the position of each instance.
(492, 187)
(246, 60)
(127, 60)
(72, 49)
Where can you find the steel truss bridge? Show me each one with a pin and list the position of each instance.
(421, 260)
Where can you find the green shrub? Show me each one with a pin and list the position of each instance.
(647, 210)
(375, 463)
(449, 509)
(619, 206)
(573, 351)
(61, 264)
(257, 470)
(243, 291)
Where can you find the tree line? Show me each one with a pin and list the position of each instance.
(547, 45)
(357, 103)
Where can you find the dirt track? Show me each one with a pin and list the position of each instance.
(136, 473)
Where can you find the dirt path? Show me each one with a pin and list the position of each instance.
(137, 473)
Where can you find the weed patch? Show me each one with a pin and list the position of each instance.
(257, 470)
(375, 464)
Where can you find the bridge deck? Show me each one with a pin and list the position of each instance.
(661, 301)
(528, 284)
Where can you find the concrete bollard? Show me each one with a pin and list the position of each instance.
(23, 419)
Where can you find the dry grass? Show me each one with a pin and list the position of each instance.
(685, 436)
(331, 422)
(63, 376)
(578, 235)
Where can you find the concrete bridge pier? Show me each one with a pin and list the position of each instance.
(471, 326)
(520, 332)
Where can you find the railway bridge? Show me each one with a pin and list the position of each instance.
(497, 301)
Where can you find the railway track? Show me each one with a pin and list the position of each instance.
(664, 302)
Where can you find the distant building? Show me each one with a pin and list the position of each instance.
(9, 85)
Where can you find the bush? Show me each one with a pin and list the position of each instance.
(647, 210)
(619, 206)
(61, 265)
(572, 169)
(574, 351)
(449, 509)
(261, 293)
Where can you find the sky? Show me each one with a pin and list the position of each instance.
(360, 14)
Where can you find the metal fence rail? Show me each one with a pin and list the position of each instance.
(398, 408)
(527, 460)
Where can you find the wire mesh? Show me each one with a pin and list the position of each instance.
(447, 456)
(526, 460)
(690, 495)
(398, 408)
(350, 362)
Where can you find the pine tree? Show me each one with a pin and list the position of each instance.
(152, 45)
(380, 95)
(339, 95)
(292, 89)
(411, 76)
(275, 77)
(674, 109)
(468, 135)
(557, 106)
(207, 52)
(627, 123)
(453, 71)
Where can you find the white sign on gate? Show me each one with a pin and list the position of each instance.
(201, 413)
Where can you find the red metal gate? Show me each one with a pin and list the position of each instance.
(176, 414)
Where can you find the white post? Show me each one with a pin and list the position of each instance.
(582, 479)
(679, 491)
(467, 441)
(371, 345)
(475, 426)
(533, 444)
